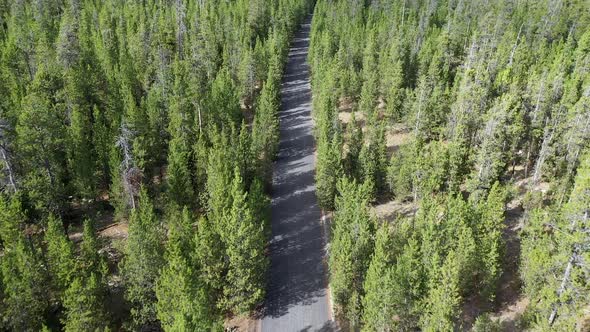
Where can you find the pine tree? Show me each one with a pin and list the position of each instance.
(351, 247)
(12, 219)
(141, 264)
(377, 312)
(102, 142)
(223, 101)
(220, 165)
(265, 130)
(24, 279)
(328, 170)
(259, 204)
(81, 152)
(354, 142)
(370, 89)
(245, 251)
(136, 119)
(84, 298)
(183, 299)
(90, 260)
(372, 159)
(489, 237)
(60, 255)
(40, 139)
(407, 284)
(210, 255)
(68, 43)
(557, 279)
(180, 186)
(243, 153)
(443, 299)
(83, 303)
(393, 82)
(199, 171)
(401, 171)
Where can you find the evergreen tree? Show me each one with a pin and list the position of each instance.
(556, 279)
(259, 204)
(245, 251)
(443, 299)
(83, 303)
(180, 186)
(81, 153)
(211, 257)
(265, 130)
(372, 159)
(90, 260)
(60, 255)
(375, 302)
(141, 264)
(40, 138)
(489, 239)
(351, 247)
(24, 284)
(354, 142)
(223, 101)
(12, 220)
(84, 298)
(328, 170)
(183, 300)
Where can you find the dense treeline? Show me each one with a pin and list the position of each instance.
(489, 93)
(165, 111)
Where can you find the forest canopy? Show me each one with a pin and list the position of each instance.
(136, 145)
(453, 141)
(137, 141)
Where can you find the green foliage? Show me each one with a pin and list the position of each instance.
(443, 299)
(100, 99)
(488, 94)
(83, 302)
(553, 257)
(40, 136)
(484, 323)
(354, 144)
(60, 255)
(183, 300)
(351, 247)
(265, 130)
(90, 260)
(24, 280)
(143, 259)
(180, 186)
(400, 172)
(376, 283)
(210, 255)
(489, 240)
(245, 243)
(418, 171)
(373, 159)
(84, 298)
(328, 170)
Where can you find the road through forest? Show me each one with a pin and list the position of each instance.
(297, 296)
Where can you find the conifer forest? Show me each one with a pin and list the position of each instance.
(153, 173)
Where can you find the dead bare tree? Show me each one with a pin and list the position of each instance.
(130, 174)
(568, 269)
(5, 155)
(180, 26)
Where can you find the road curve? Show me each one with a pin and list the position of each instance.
(297, 295)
